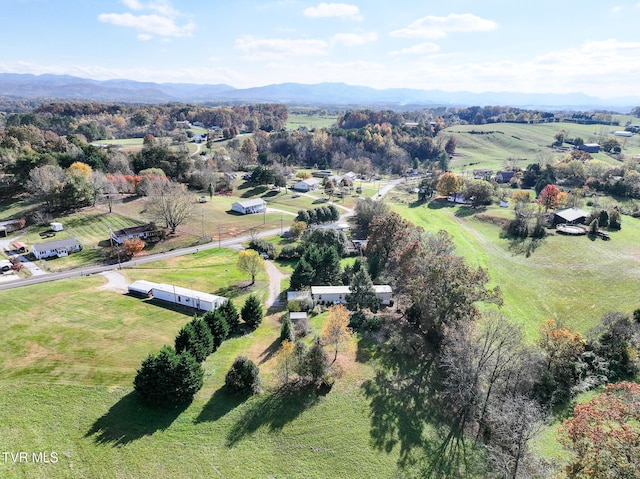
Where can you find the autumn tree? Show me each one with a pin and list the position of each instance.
(297, 228)
(250, 262)
(133, 246)
(562, 349)
(549, 197)
(170, 202)
(449, 183)
(248, 153)
(604, 434)
(335, 330)
(285, 360)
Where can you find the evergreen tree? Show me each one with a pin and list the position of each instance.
(302, 275)
(195, 338)
(316, 364)
(243, 377)
(362, 293)
(230, 313)
(168, 378)
(218, 327)
(287, 332)
(251, 311)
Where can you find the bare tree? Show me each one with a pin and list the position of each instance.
(169, 202)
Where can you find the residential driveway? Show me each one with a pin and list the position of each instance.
(31, 266)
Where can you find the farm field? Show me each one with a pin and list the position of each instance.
(488, 146)
(75, 371)
(574, 280)
(297, 120)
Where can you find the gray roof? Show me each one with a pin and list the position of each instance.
(57, 244)
(571, 214)
(250, 203)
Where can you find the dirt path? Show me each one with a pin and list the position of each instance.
(275, 278)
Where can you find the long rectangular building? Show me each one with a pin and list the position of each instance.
(177, 295)
(338, 294)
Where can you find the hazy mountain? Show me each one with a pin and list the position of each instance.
(64, 87)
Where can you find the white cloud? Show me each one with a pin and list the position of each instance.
(617, 9)
(340, 10)
(163, 7)
(419, 49)
(354, 39)
(144, 37)
(133, 4)
(148, 24)
(438, 27)
(279, 48)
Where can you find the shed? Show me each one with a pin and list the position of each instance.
(590, 147)
(297, 316)
(569, 216)
(56, 226)
(56, 248)
(307, 185)
(257, 205)
(19, 246)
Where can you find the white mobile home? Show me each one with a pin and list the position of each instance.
(338, 294)
(56, 248)
(177, 295)
(257, 205)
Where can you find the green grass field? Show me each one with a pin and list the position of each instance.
(67, 363)
(572, 279)
(488, 146)
(296, 120)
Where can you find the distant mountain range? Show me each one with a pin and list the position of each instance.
(64, 87)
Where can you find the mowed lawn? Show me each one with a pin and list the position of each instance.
(572, 279)
(67, 365)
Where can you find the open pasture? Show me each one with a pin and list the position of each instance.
(572, 279)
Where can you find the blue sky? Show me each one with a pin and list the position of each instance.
(545, 46)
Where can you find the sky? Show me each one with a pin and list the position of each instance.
(542, 46)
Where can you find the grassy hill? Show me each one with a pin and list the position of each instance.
(488, 146)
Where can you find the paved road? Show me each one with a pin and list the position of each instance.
(89, 270)
(229, 243)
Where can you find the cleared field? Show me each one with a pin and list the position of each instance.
(67, 364)
(297, 120)
(488, 146)
(572, 279)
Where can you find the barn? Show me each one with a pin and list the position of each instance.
(569, 216)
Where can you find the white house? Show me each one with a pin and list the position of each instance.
(307, 185)
(56, 248)
(257, 205)
(177, 295)
(338, 294)
(144, 232)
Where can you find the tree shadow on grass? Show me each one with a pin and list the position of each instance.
(465, 211)
(524, 246)
(257, 190)
(221, 403)
(129, 420)
(271, 350)
(275, 410)
(232, 291)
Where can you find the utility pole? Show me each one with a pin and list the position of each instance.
(219, 238)
(202, 211)
(281, 224)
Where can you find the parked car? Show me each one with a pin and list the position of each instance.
(5, 268)
(264, 255)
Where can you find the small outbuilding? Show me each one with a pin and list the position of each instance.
(56, 226)
(257, 205)
(570, 216)
(590, 147)
(56, 248)
(504, 176)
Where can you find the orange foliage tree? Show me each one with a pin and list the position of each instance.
(605, 434)
(336, 329)
(133, 246)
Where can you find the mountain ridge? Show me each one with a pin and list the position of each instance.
(66, 87)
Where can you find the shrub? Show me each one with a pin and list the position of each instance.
(243, 377)
(263, 246)
(168, 378)
(290, 251)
